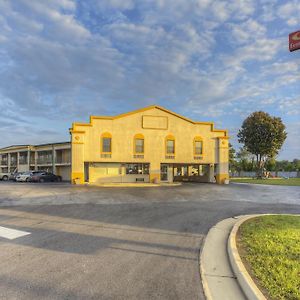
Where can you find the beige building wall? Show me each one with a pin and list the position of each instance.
(155, 124)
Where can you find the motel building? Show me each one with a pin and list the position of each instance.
(54, 158)
(151, 144)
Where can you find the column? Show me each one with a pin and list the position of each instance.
(53, 159)
(28, 159)
(18, 164)
(154, 171)
(35, 160)
(77, 157)
(8, 163)
(222, 173)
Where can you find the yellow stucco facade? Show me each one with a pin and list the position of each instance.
(151, 144)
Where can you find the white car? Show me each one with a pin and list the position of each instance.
(25, 177)
(4, 176)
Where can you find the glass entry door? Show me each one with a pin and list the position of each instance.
(164, 172)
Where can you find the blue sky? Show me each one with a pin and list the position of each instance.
(63, 60)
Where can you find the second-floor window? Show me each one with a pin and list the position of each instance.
(198, 146)
(170, 145)
(106, 143)
(139, 145)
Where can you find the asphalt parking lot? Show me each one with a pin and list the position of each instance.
(118, 243)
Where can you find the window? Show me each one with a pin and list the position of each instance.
(106, 143)
(138, 144)
(137, 168)
(198, 146)
(170, 145)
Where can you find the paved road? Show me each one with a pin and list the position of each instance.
(118, 243)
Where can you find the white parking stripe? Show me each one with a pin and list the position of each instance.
(11, 234)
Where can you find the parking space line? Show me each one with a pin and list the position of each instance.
(12, 234)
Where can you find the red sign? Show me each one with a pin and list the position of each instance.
(294, 41)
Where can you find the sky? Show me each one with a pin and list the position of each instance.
(209, 60)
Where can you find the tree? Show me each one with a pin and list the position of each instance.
(231, 153)
(263, 136)
(233, 163)
(271, 164)
(245, 160)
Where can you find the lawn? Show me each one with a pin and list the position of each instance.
(270, 249)
(271, 181)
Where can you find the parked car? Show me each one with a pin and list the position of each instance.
(45, 176)
(25, 177)
(14, 175)
(4, 176)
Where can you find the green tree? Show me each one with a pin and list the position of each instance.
(271, 164)
(263, 136)
(245, 160)
(232, 161)
(296, 164)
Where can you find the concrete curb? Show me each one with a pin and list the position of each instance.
(218, 279)
(135, 185)
(248, 286)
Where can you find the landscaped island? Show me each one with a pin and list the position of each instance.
(270, 249)
(271, 181)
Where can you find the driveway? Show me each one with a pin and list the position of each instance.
(118, 243)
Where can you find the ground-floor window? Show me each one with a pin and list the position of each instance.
(189, 170)
(137, 168)
(180, 170)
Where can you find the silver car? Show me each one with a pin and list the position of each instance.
(25, 177)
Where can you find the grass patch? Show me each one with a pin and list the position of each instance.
(271, 181)
(270, 248)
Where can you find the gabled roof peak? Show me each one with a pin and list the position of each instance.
(143, 110)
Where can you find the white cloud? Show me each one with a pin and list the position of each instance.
(290, 106)
(115, 4)
(261, 49)
(59, 23)
(290, 12)
(249, 30)
(210, 58)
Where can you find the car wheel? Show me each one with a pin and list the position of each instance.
(5, 178)
(42, 180)
(59, 179)
(27, 179)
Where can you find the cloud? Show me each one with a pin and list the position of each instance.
(249, 30)
(63, 60)
(290, 12)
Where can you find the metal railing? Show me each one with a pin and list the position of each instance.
(44, 161)
(62, 161)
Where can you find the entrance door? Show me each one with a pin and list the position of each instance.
(164, 172)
